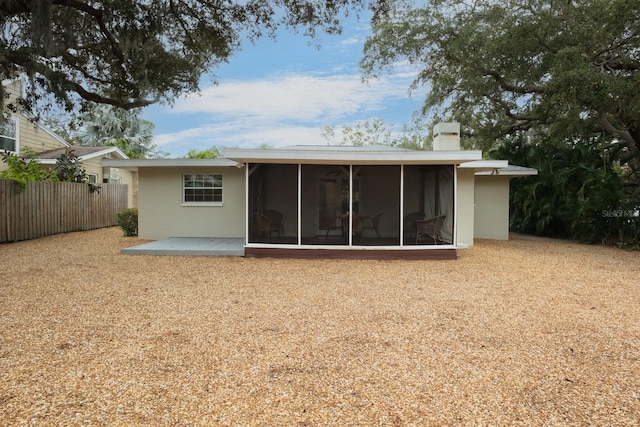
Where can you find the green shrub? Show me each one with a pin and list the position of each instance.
(128, 221)
(23, 169)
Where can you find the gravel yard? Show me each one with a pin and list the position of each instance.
(525, 332)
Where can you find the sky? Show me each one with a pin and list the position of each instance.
(281, 93)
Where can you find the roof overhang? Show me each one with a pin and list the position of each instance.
(115, 151)
(135, 164)
(511, 171)
(352, 155)
(497, 168)
(112, 151)
(484, 165)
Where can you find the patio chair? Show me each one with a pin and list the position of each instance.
(375, 222)
(409, 223)
(357, 226)
(276, 222)
(429, 228)
(329, 219)
(262, 225)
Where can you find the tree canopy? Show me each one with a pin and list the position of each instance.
(552, 83)
(558, 66)
(374, 131)
(134, 53)
(209, 153)
(106, 125)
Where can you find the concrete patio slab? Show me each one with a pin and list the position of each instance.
(192, 246)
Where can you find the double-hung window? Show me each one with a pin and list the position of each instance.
(202, 189)
(8, 133)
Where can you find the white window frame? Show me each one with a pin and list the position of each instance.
(216, 176)
(94, 176)
(15, 137)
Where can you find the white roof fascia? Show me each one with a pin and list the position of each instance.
(328, 156)
(106, 150)
(46, 161)
(511, 170)
(134, 164)
(497, 167)
(488, 165)
(53, 134)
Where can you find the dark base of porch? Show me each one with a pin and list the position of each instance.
(382, 254)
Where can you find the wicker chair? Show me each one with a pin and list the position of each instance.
(276, 222)
(375, 222)
(262, 226)
(429, 228)
(329, 219)
(409, 224)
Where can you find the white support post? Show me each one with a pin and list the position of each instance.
(350, 206)
(299, 204)
(247, 216)
(401, 205)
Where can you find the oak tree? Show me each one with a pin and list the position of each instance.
(134, 53)
(565, 68)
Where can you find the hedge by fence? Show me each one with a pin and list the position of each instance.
(46, 208)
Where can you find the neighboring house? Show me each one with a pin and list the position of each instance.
(91, 159)
(19, 131)
(370, 202)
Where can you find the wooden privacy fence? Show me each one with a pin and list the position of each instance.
(46, 208)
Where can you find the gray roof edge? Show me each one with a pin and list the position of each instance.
(511, 170)
(168, 163)
(90, 152)
(354, 154)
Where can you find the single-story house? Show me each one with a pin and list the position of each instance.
(331, 201)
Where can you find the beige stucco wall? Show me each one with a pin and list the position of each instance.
(465, 203)
(492, 207)
(161, 214)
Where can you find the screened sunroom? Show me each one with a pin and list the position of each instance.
(350, 198)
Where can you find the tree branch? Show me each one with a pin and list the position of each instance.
(608, 127)
(502, 82)
(94, 97)
(98, 15)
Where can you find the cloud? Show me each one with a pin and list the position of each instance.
(301, 98)
(351, 41)
(280, 110)
(241, 134)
